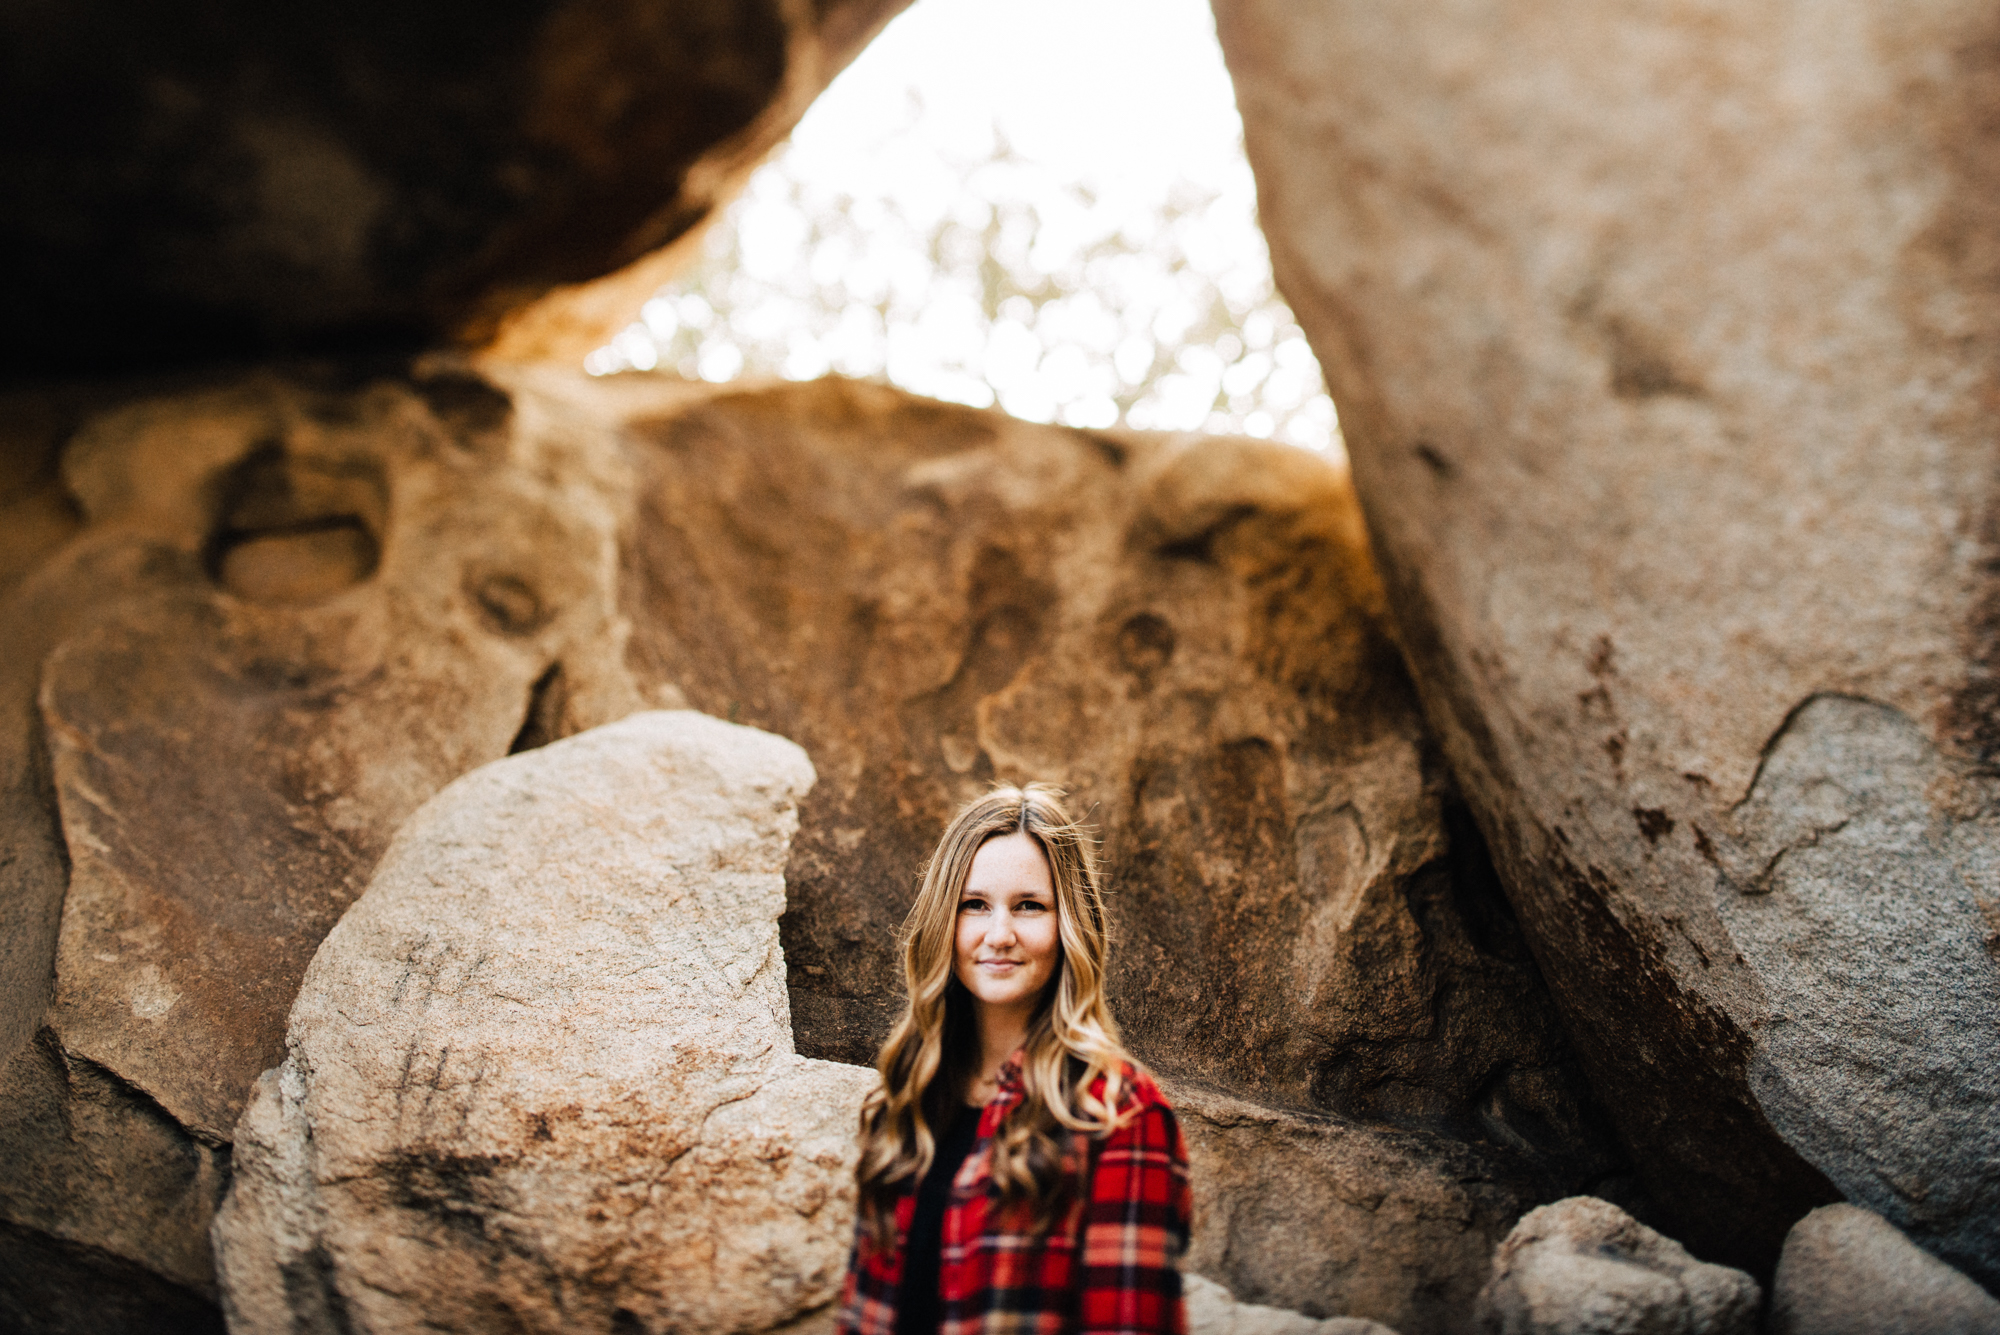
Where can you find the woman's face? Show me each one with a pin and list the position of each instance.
(1007, 945)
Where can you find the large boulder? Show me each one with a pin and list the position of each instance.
(1848, 1271)
(541, 1077)
(293, 612)
(187, 181)
(1585, 1267)
(295, 607)
(1665, 343)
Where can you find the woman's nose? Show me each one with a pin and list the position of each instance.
(1000, 932)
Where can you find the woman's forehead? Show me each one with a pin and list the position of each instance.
(1012, 861)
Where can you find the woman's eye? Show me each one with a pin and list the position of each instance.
(1031, 906)
(971, 906)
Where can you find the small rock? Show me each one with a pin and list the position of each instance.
(1211, 1310)
(1583, 1266)
(1845, 1269)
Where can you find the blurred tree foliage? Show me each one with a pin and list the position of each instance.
(1061, 301)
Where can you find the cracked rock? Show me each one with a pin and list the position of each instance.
(1880, 1053)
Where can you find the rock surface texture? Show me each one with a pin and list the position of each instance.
(1665, 342)
(1846, 1271)
(293, 608)
(1585, 1267)
(541, 1078)
(1212, 1311)
(293, 612)
(217, 179)
(1324, 1218)
(1187, 634)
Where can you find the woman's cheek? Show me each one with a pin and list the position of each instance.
(1046, 944)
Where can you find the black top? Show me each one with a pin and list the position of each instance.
(918, 1306)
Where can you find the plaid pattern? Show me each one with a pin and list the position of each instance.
(1107, 1267)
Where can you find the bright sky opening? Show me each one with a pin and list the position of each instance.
(1042, 205)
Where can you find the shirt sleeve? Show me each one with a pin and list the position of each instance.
(1135, 1229)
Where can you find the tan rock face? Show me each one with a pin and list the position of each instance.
(541, 1076)
(232, 748)
(295, 610)
(192, 180)
(1664, 344)
(1185, 633)
(1585, 1267)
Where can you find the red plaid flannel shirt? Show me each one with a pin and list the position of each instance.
(1108, 1267)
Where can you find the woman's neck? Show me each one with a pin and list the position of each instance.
(1002, 1030)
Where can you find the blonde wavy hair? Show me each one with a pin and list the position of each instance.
(933, 1051)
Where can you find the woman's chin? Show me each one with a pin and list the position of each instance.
(1004, 995)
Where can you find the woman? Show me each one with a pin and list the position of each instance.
(1018, 1171)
